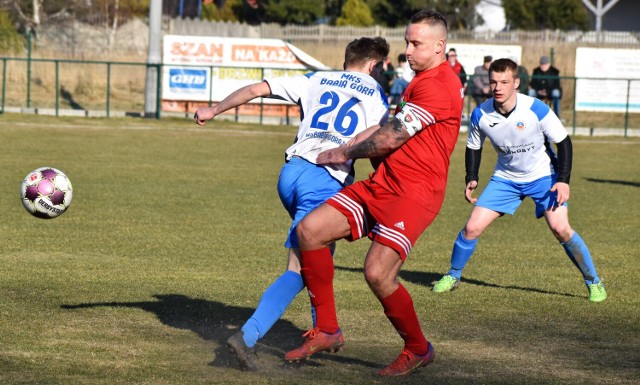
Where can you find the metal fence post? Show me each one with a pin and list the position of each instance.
(158, 89)
(4, 81)
(261, 98)
(575, 109)
(57, 88)
(108, 86)
(210, 86)
(29, 68)
(626, 112)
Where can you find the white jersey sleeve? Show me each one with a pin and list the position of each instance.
(521, 139)
(334, 106)
(289, 88)
(476, 136)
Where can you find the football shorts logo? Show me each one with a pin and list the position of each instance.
(399, 225)
(520, 126)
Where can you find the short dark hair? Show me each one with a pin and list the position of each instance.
(430, 17)
(504, 65)
(361, 50)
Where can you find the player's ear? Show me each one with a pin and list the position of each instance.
(440, 45)
(371, 66)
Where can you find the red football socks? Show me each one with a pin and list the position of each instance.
(317, 272)
(398, 307)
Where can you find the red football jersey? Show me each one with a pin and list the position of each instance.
(430, 109)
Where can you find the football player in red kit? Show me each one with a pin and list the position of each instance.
(395, 205)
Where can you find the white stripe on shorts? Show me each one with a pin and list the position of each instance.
(355, 209)
(394, 236)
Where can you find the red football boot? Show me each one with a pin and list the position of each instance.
(317, 341)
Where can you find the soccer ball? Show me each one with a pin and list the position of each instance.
(46, 192)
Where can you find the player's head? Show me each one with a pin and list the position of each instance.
(426, 38)
(366, 55)
(503, 80)
(452, 56)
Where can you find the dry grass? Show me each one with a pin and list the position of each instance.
(176, 230)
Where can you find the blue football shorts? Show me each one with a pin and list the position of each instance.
(302, 187)
(505, 196)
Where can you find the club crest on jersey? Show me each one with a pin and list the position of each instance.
(520, 126)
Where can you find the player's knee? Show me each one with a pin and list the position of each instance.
(561, 231)
(309, 234)
(304, 231)
(471, 231)
(374, 276)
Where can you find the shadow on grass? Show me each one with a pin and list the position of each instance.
(216, 321)
(428, 279)
(610, 181)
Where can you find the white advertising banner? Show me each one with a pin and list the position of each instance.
(197, 65)
(602, 79)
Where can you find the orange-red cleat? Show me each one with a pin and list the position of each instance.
(408, 362)
(317, 341)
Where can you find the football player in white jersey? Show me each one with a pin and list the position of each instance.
(521, 129)
(336, 107)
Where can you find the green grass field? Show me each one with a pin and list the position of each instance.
(176, 230)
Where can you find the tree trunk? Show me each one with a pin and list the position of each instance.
(36, 13)
(114, 24)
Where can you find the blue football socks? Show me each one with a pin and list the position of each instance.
(579, 254)
(462, 251)
(272, 306)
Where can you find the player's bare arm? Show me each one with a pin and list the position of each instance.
(363, 135)
(381, 142)
(235, 99)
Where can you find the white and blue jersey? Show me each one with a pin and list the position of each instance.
(522, 139)
(335, 106)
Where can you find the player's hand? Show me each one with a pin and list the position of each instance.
(332, 156)
(202, 115)
(468, 191)
(563, 191)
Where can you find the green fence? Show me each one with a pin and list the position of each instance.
(588, 122)
(74, 86)
(108, 89)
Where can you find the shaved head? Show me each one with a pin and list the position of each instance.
(434, 19)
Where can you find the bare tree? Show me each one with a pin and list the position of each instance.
(114, 23)
(31, 14)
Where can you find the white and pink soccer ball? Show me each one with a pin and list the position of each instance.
(46, 192)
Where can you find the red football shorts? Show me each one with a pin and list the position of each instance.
(384, 217)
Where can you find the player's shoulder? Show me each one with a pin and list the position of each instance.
(528, 103)
(481, 111)
(442, 78)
